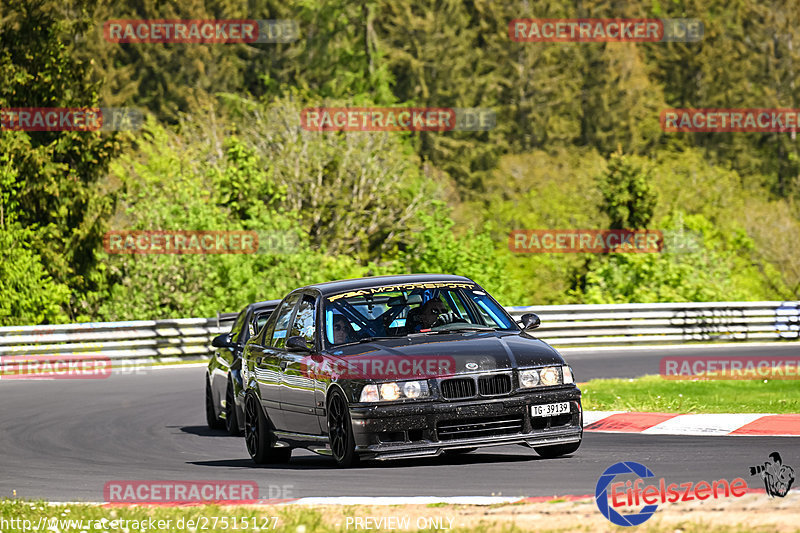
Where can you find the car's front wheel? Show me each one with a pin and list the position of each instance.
(340, 431)
(258, 437)
(558, 450)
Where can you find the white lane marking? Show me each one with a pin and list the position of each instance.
(703, 424)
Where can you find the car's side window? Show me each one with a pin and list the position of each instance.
(266, 333)
(304, 322)
(259, 321)
(278, 339)
(458, 306)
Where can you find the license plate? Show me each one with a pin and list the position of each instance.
(550, 409)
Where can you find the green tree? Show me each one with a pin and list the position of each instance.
(30, 295)
(714, 268)
(53, 190)
(628, 197)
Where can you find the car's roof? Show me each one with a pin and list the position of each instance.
(335, 287)
(258, 306)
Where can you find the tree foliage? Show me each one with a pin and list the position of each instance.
(628, 197)
(577, 145)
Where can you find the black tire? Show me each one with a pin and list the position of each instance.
(212, 419)
(340, 431)
(258, 437)
(558, 450)
(460, 451)
(231, 420)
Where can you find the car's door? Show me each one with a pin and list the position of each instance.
(298, 400)
(271, 360)
(224, 359)
(266, 358)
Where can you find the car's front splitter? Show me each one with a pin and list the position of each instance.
(427, 429)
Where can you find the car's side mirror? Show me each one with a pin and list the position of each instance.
(223, 341)
(530, 321)
(297, 344)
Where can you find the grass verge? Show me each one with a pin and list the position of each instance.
(656, 394)
(757, 515)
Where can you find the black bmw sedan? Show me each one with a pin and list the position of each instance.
(403, 366)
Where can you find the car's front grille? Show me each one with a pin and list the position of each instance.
(479, 427)
(494, 385)
(457, 388)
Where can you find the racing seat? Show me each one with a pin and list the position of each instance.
(413, 319)
(414, 316)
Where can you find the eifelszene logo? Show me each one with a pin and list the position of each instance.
(601, 494)
(778, 477)
(629, 493)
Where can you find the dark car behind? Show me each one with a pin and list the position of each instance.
(223, 402)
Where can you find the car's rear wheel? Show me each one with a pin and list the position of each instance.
(258, 437)
(557, 450)
(231, 420)
(211, 417)
(340, 431)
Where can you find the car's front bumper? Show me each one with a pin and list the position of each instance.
(429, 428)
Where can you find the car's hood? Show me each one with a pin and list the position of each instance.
(493, 350)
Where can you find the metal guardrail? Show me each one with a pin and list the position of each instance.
(674, 323)
(138, 339)
(562, 325)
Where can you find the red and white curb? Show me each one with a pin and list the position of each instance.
(745, 424)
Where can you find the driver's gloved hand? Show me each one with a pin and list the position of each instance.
(446, 318)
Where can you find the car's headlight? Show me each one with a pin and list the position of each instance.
(549, 375)
(529, 378)
(412, 389)
(546, 377)
(395, 391)
(369, 394)
(390, 391)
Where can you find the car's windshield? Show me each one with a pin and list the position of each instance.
(397, 312)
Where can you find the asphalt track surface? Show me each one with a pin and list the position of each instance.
(62, 440)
